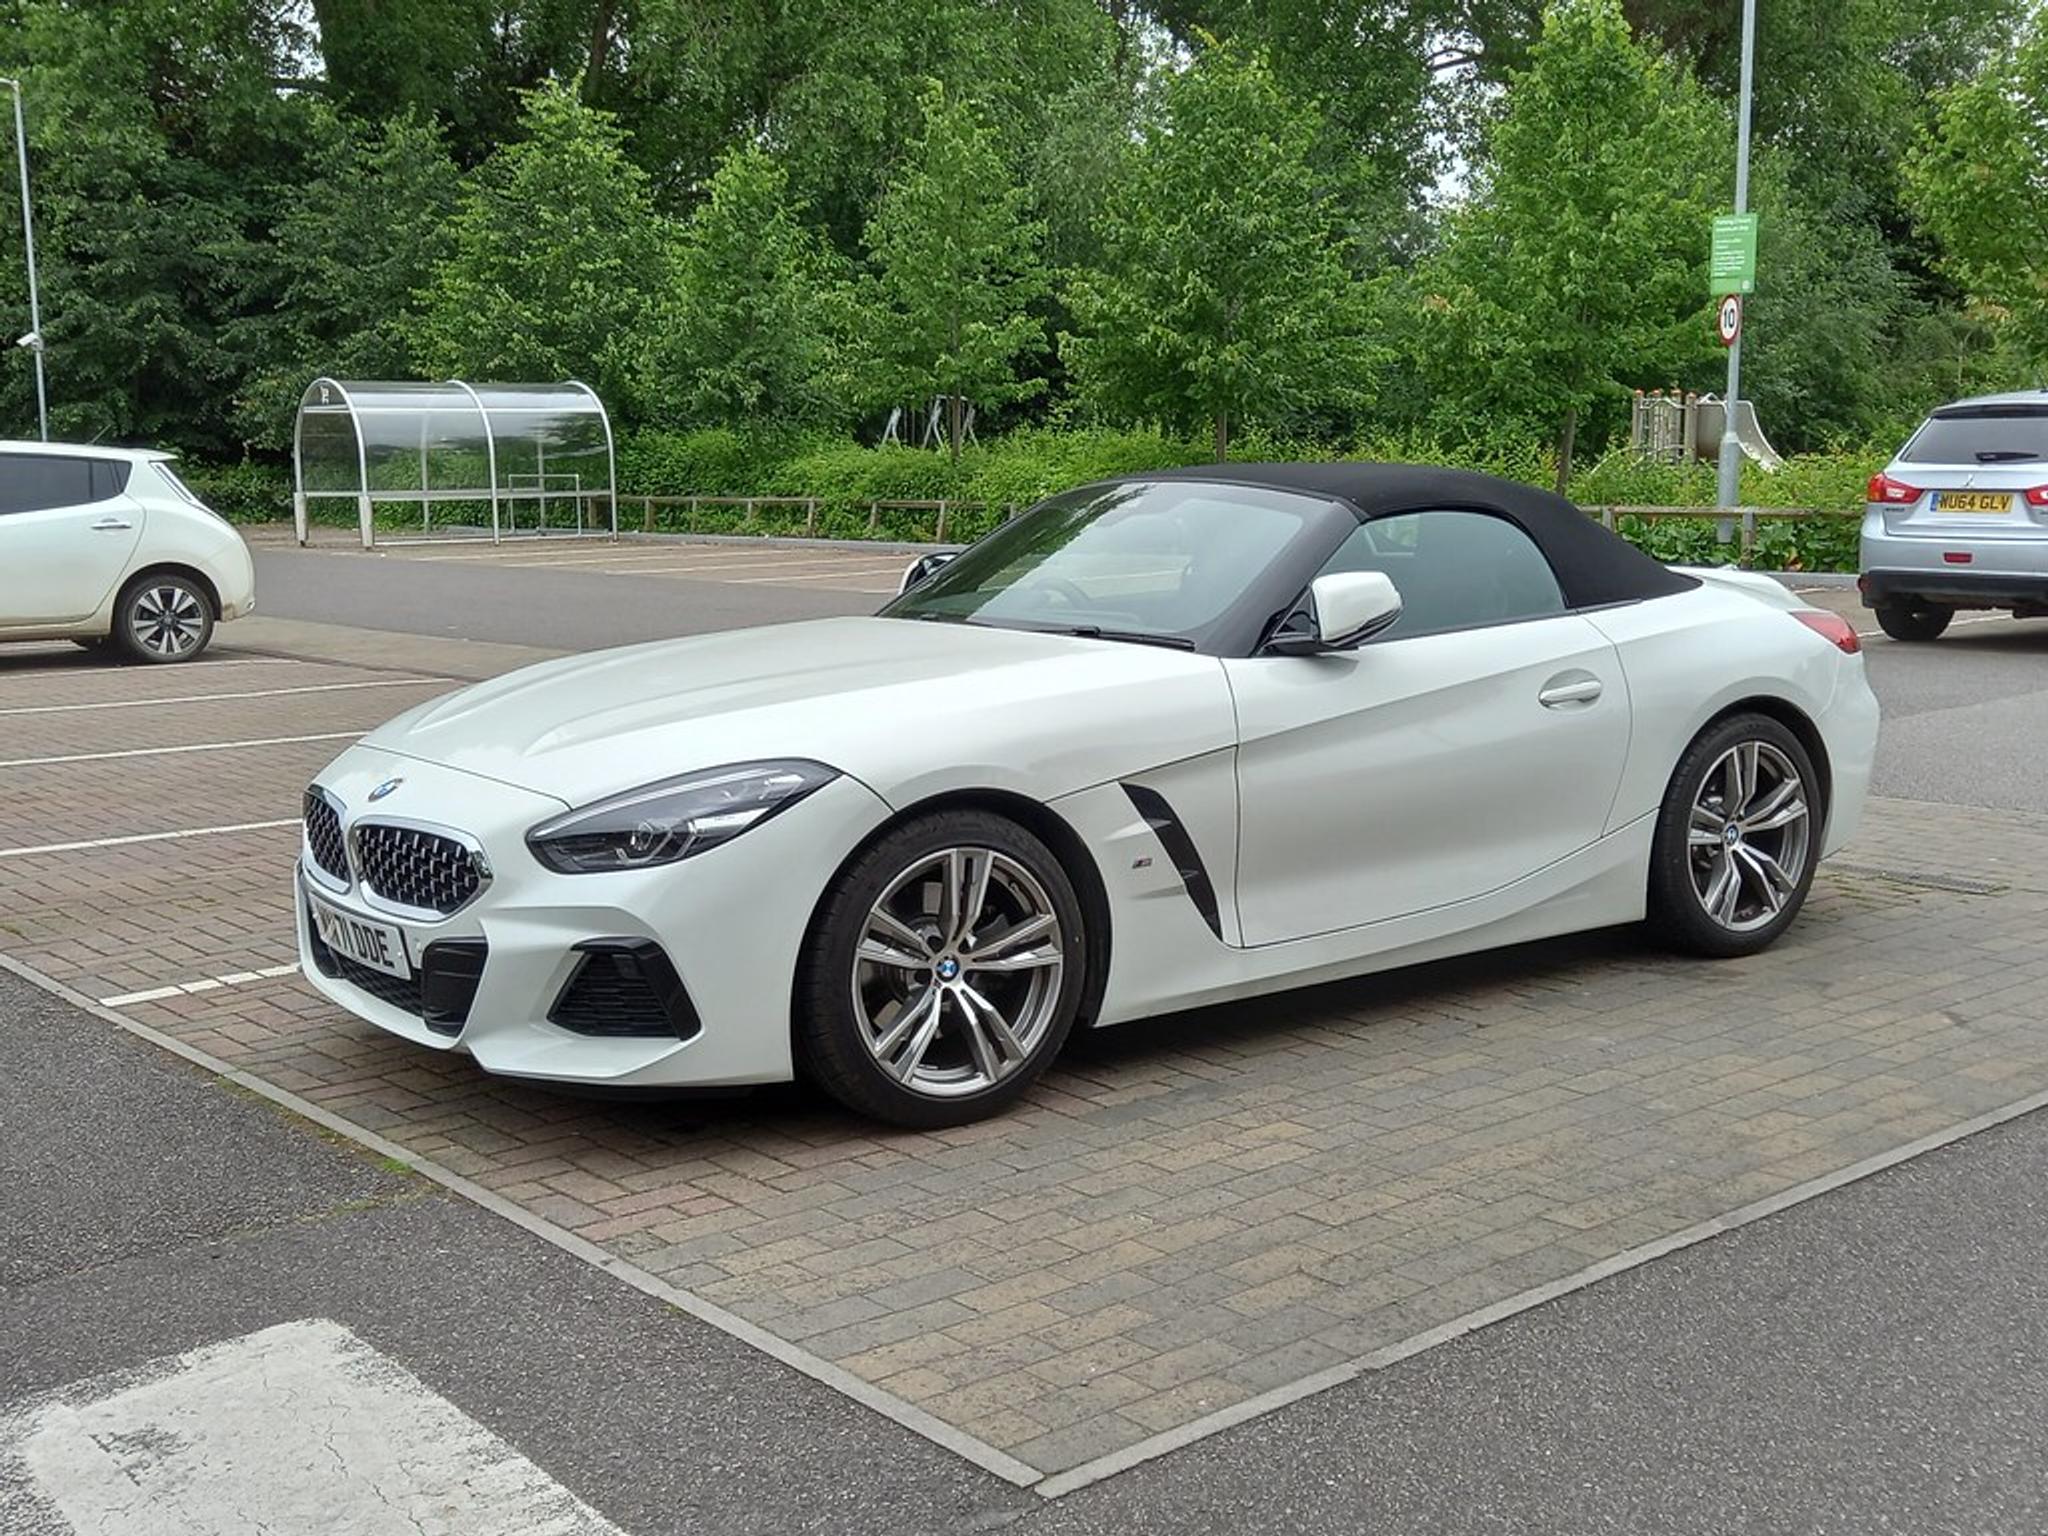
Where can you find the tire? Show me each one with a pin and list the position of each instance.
(1691, 908)
(1913, 620)
(162, 618)
(862, 1029)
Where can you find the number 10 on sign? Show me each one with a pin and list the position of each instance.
(1728, 319)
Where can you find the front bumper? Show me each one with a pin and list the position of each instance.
(730, 923)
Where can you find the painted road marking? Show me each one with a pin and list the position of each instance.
(144, 837)
(300, 1427)
(202, 746)
(1982, 618)
(215, 698)
(864, 573)
(203, 984)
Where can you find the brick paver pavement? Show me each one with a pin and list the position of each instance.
(1187, 1212)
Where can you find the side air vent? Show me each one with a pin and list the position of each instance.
(1180, 848)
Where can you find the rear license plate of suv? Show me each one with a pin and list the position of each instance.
(1972, 501)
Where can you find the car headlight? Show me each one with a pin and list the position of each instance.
(662, 822)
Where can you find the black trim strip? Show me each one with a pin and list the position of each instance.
(1180, 848)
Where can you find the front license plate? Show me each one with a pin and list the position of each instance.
(378, 945)
(1972, 501)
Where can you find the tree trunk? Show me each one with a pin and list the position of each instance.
(600, 49)
(1222, 436)
(1565, 434)
(953, 414)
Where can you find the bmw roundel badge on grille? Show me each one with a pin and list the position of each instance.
(385, 788)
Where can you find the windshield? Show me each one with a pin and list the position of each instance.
(1986, 435)
(1163, 562)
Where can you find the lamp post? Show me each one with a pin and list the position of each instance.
(1729, 491)
(34, 339)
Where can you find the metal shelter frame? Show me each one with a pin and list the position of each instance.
(399, 434)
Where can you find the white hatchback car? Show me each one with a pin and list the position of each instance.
(108, 544)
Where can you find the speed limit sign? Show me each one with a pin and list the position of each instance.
(1728, 323)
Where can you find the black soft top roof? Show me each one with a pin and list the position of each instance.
(1592, 565)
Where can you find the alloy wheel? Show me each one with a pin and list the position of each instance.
(956, 978)
(167, 620)
(1748, 836)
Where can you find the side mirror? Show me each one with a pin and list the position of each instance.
(923, 566)
(1343, 610)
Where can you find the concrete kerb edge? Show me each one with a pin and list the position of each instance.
(1500, 1311)
(905, 1414)
(979, 1452)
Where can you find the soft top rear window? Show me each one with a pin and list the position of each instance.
(1981, 434)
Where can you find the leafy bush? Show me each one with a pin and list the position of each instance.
(250, 492)
(1013, 471)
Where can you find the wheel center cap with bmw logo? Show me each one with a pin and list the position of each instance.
(947, 969)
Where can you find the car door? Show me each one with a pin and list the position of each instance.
(1479, 739)
(67, 531)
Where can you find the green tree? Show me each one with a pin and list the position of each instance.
(361, 237)
(556, 253)
(751, 325)
(956, 264)
(160, 155)
(1225, 296)
(1579, 266)
(1975, 183)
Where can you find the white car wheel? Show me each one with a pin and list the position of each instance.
(163, 618)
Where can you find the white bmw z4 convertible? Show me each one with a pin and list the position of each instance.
(1159, 742)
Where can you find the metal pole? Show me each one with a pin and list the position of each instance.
(28, 240)
(1729, 489)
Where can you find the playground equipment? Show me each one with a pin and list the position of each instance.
(1679, 428)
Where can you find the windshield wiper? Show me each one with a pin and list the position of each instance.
(1128, 636)
(2003, 455)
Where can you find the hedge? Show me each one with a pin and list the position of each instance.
(1024, 466)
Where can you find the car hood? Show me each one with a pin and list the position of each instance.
(909, 708)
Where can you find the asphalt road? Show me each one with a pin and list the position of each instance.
(1875, 1361)
(560, 609)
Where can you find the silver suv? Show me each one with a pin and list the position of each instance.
(1959, 518)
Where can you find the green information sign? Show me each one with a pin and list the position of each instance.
(1731, 264)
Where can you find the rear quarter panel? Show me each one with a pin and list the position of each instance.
(1687, 658)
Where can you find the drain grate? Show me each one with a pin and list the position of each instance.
(1926, 880)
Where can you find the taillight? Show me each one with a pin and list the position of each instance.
(2038, 496)
(1831, 627)
(1883, 488)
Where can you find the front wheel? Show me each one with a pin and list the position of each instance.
(1913, 620)
(942, 972)
(1737, 839)
(162, 618)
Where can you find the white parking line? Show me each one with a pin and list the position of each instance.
(201, 746)
(144, 837)
(204, 984)
(215, 698)
(865, 573)
(299, 1427)
(1982, 618)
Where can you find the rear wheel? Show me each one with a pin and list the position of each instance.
(1737, 839)
(1911, 619)
(943, 971)
(163, 617)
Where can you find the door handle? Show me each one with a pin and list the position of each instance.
(112, 525)
(1582, 690)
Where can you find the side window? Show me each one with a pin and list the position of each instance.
(109, 478)
(1454, 570)
(32, 482)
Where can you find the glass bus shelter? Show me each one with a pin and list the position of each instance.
(406, 461)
